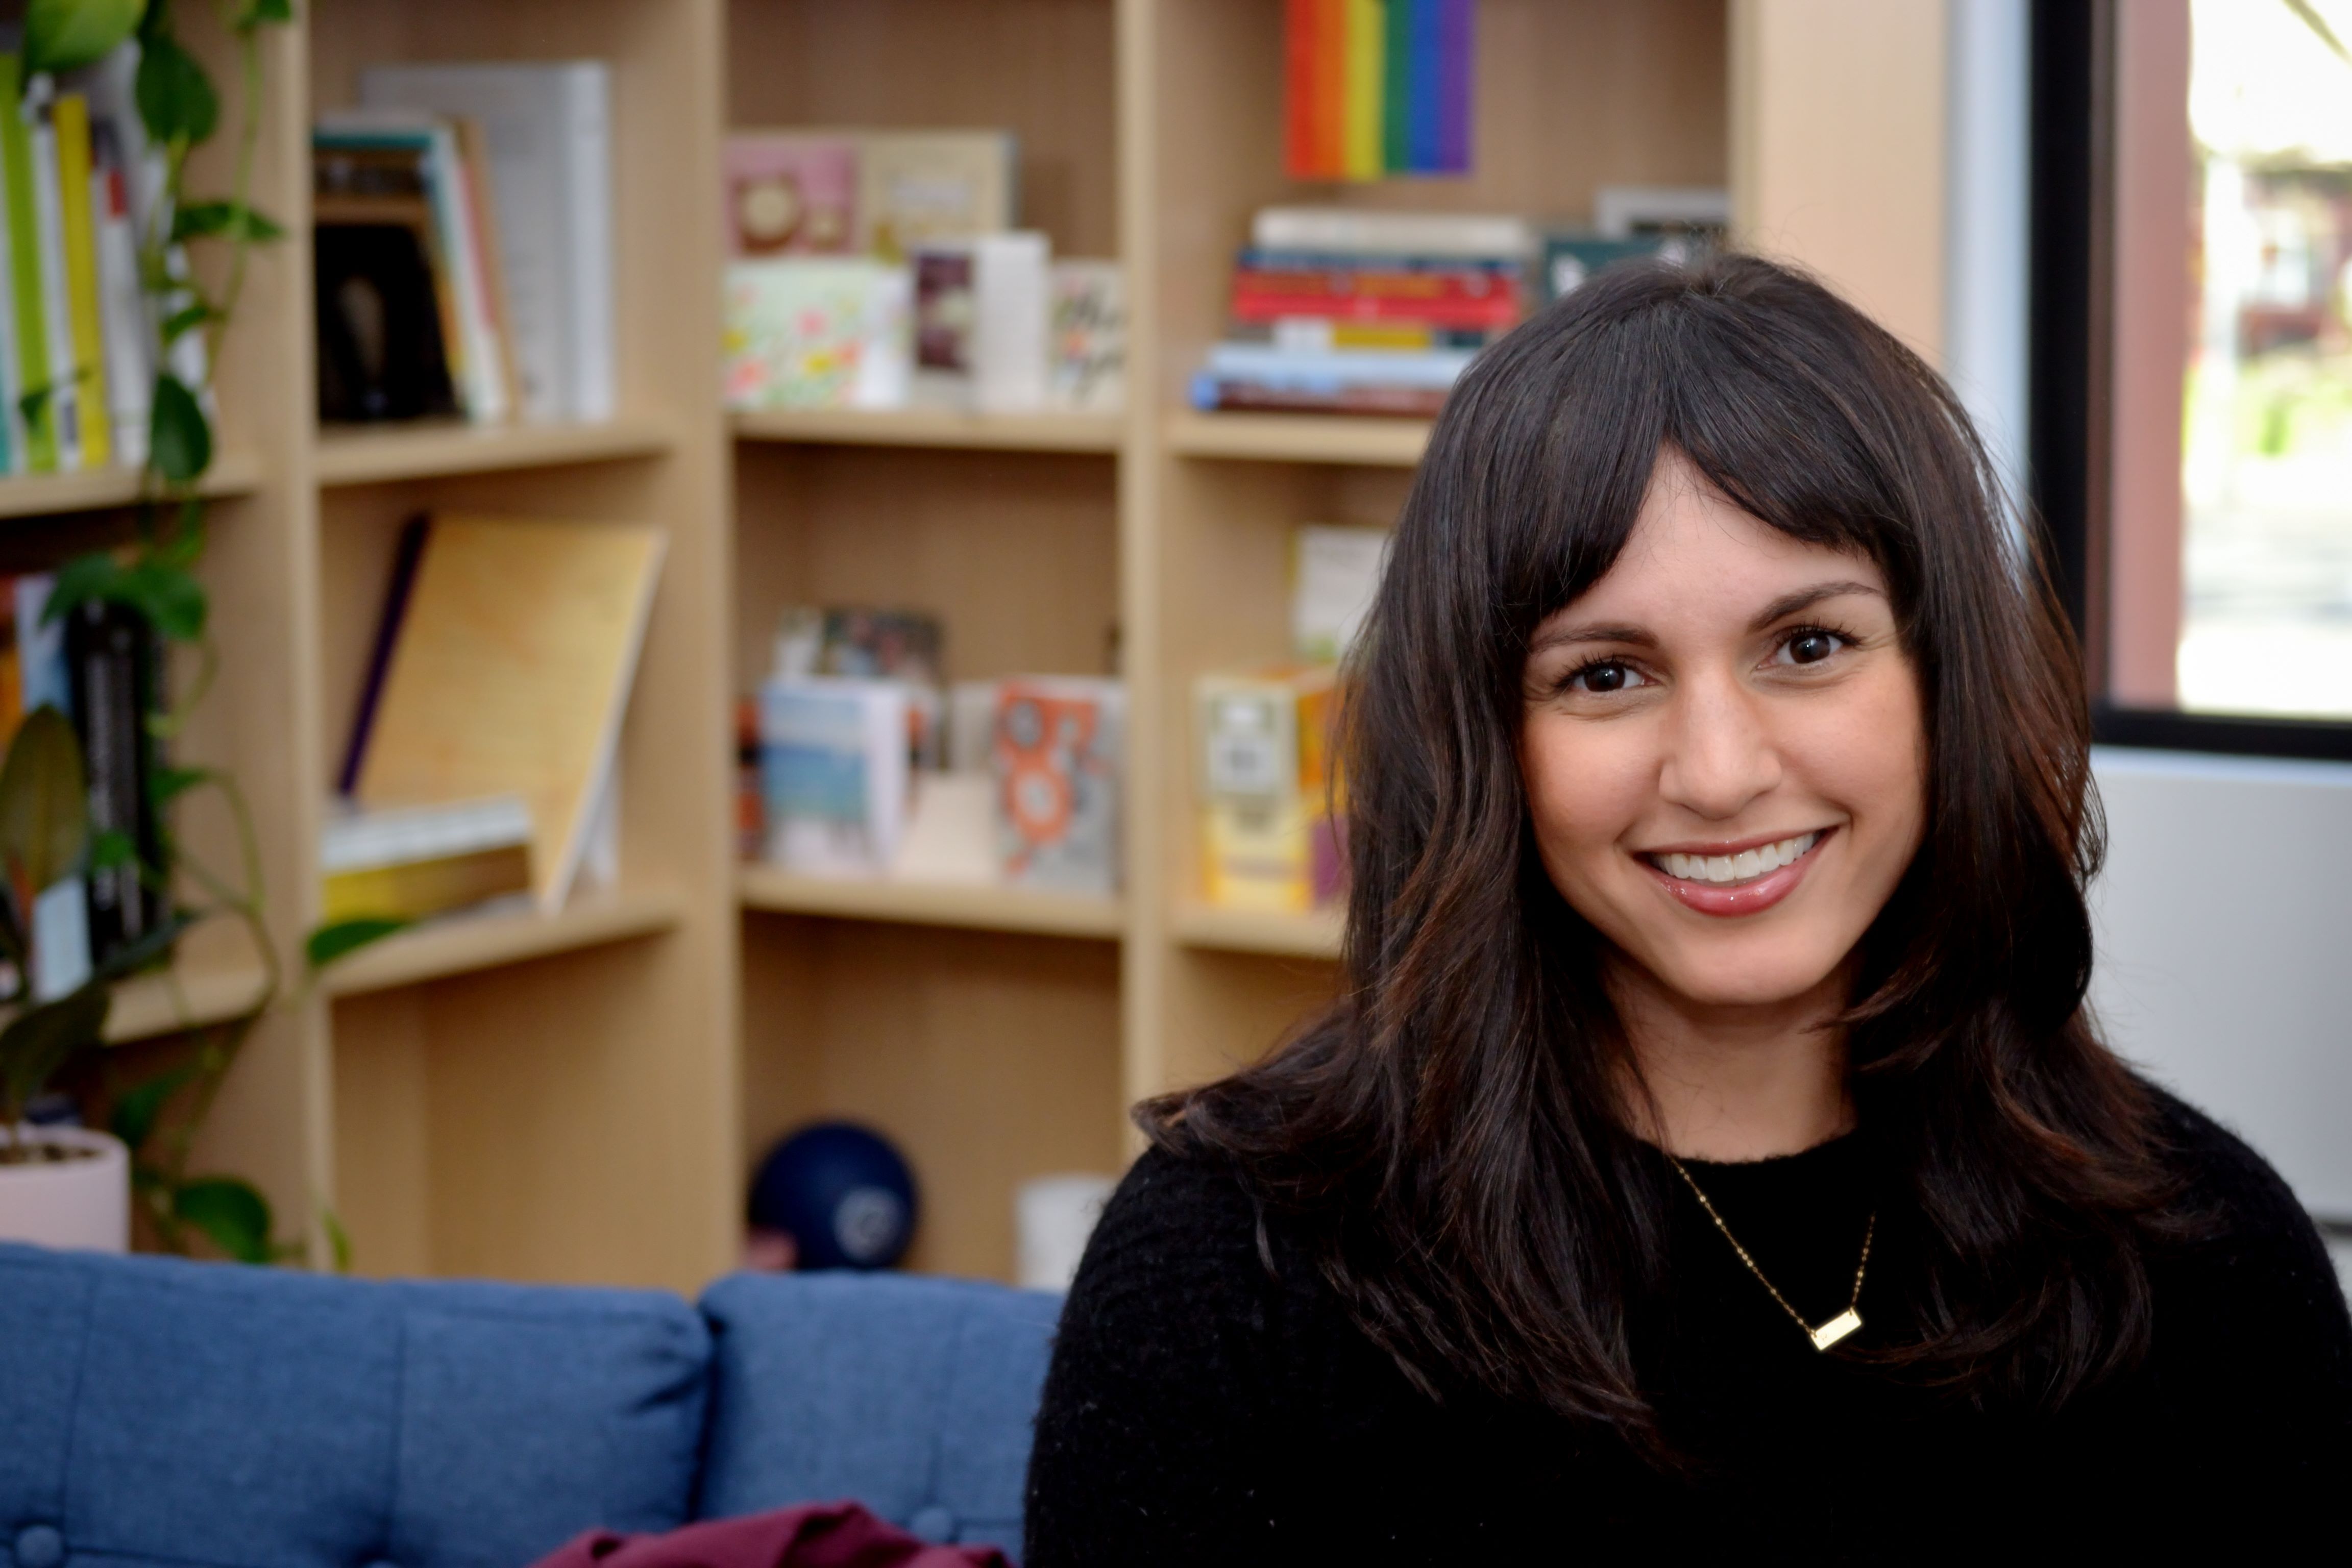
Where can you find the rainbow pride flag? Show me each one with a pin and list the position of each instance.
(1375, 88)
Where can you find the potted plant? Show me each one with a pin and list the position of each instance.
(72, 1186)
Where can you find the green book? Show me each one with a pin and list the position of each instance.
(24, 267)
(1396, 67)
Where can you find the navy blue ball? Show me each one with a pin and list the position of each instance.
(842, 1193)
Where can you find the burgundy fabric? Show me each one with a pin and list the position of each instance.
(815, 1535)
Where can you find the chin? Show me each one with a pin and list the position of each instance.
(1739, 973)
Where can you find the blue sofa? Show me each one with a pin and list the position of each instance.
(158, 1413)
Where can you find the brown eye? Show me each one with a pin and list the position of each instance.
(1605, 677)
(1811, 648)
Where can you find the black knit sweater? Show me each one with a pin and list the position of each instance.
(1205, 1409)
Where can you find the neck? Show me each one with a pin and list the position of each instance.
(1734, 1082)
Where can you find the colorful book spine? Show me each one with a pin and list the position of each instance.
(64, 379)
(1377, 88)
(32, 364)
(84, 321)
(1471, 299)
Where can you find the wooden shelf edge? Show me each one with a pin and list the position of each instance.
(155, 1004)
(1313, 935)
(233, 473)
(1364, 439)
(930, 903)
(365, 455)
(461, 944)
(933, 428)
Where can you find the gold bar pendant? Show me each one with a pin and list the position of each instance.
(1836, 1328)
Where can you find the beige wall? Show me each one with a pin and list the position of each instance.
(1838, 116)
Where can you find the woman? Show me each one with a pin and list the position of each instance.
(1711, 1149)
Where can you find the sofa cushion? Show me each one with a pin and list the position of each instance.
(159, 1412)
(913, 1396)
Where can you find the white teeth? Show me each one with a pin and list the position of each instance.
(1739, 868)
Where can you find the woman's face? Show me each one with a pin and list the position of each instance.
(1724, 751)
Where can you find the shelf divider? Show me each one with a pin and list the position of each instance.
(933, 428)
(377, 454)
(1311, 935)
(978, 907)
(233, 473)
(461, 944)
(1367, 439)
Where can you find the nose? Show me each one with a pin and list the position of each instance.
(1719, 754)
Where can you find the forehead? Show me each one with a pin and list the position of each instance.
(1694, 553)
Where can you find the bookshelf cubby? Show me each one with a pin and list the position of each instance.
(580, 1096)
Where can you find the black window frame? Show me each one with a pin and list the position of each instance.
(2069, 329)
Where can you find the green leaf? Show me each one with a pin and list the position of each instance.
(264, 12)
(176, 100)
(112, 849)
(179, 438)
(339, 1241)
(230, 1211)
(184, 545)
(186, 320)
(96, 578)
(44, 802)
(137, 1109)
(172, 601)
(341, 938)
(40, 1041)
(60, 35)
(166, 783)
(224, 220)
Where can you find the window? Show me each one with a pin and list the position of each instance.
(2190, 438)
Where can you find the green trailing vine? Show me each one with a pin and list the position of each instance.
(44, 822)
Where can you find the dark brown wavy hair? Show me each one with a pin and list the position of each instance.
(1453, 1130)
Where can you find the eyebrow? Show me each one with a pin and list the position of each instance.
(1779, 609)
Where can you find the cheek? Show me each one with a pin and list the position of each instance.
(1869, 756)
(1587, 784)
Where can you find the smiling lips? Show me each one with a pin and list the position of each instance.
(1739, 880)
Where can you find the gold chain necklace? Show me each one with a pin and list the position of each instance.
(1828, 1333)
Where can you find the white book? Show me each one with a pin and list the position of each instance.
(123, 308)
(1391, 233)
(110, 85)
(57, 317)
(548, 128)
(362, 839)
(834, 773)
(1010, 290)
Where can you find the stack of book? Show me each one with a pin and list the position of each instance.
(463, 242)
(1339, 310)
(885, 269)
(78, 337)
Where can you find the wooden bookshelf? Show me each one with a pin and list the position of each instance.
(1315, 934)
(977, 908)
(1298, 438)
(581, 1096)
(380, 454)
(934, 427)
(464, 944)
(233, 473)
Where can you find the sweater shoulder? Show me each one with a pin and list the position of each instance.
(2250, 1201)
(1176, 1218)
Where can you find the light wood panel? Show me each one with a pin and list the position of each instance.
(933, 428)
(987, 1059)
(978, 908)
(374, 454)
(47, 495)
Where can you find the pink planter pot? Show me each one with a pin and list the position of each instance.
(83, 1202)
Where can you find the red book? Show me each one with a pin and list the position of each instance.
(1469, 299)
(1318, 46)
(1298, 88)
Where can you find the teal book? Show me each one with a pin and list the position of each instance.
(25, 269)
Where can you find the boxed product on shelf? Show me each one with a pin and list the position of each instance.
(1055, 755)
(1086, 357)
(817, 332)
(546, 208)
(834, 772)
(1335, 571)
(980, 322)
(871, 644)
(412, 863)
(914, 188)
(1272, 816)
(790, 193)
